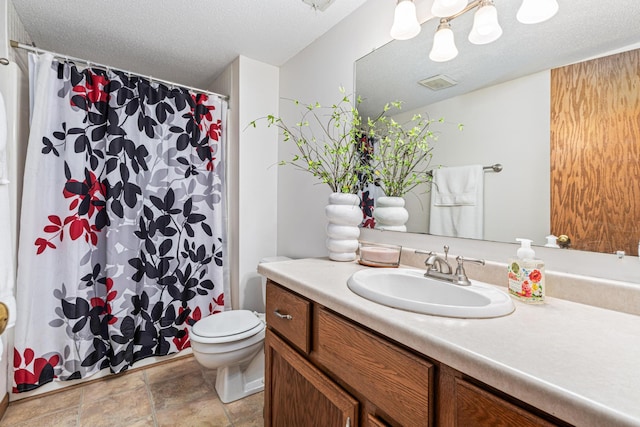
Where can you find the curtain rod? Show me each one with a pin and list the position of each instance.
(18, 45)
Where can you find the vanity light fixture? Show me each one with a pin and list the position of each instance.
(444, 46)
(485, 29)
(405, 21)
(444, 8)
(535, 11)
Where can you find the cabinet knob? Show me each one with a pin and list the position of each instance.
(282, 316)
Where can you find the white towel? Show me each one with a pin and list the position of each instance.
(457, 206)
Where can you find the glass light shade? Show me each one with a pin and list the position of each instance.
(405, 21)
(445, 8)
(444, 46)
(486, 27)
(535, 11)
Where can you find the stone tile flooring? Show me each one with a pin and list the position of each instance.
(176, 393)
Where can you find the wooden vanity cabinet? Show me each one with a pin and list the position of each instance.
(325, 370)
(298, 394)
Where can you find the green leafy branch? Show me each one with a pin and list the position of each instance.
(327, 142)
(403, 154)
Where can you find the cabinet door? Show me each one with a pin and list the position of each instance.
(298, 394)
(476, 407)
(398, 383)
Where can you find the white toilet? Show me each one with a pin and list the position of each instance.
(233, 343)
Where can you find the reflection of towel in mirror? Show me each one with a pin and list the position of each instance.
(457, 207)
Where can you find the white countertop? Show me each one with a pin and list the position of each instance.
(576, 362)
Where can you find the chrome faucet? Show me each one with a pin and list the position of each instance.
(439, 268)
(437, 264)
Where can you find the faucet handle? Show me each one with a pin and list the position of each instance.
(461, 274)
(446, 252)
(461, 260)
(429, 255)
(422, 252)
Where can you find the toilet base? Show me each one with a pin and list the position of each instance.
(236, 382)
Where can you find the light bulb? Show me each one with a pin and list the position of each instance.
(535, 11)
(486, 27)
(444, 46)
(445, 8)
(405, 21)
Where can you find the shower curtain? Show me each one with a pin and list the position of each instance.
(123, 225)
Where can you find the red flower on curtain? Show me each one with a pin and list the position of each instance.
(181, 341)
(31, 370)
(93, 89)
(105, 303)
(214, 130)
(87, 198)
(217, 302)
(201, 110)
(90, 192)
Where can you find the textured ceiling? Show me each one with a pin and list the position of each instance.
(581, 29)
(188, 42)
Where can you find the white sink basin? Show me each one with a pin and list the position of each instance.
(408, 289)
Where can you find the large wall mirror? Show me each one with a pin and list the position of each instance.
(502, 95)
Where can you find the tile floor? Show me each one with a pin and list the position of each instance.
(176, 393)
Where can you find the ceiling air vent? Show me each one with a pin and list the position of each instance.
(438, 82)
(320, 5)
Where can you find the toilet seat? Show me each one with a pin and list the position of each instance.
(227, 326)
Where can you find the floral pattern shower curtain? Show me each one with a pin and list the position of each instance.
(122, 229)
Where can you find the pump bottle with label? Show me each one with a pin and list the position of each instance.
(526, 274)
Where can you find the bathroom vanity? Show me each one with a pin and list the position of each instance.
(336, 359)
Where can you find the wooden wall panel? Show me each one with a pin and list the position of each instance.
(595, 153)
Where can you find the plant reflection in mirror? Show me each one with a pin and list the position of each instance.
(402, 151)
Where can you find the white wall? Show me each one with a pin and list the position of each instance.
(252, 175)
(509, 124)
(316, 74)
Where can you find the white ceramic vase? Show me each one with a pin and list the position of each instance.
(344, 215)
(390, 214)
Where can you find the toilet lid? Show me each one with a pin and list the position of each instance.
(228, 323)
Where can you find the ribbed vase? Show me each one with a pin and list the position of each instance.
(390, 214)
(344, 215)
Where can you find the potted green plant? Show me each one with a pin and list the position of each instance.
(327, 142)
(400, 161)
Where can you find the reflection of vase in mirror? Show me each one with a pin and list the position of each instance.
(390, 214)
(344, 214)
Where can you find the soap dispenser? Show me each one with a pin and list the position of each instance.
(526, 274)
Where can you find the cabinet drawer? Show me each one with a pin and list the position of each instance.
(394, 380)
(477, 407)
(289, 315)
